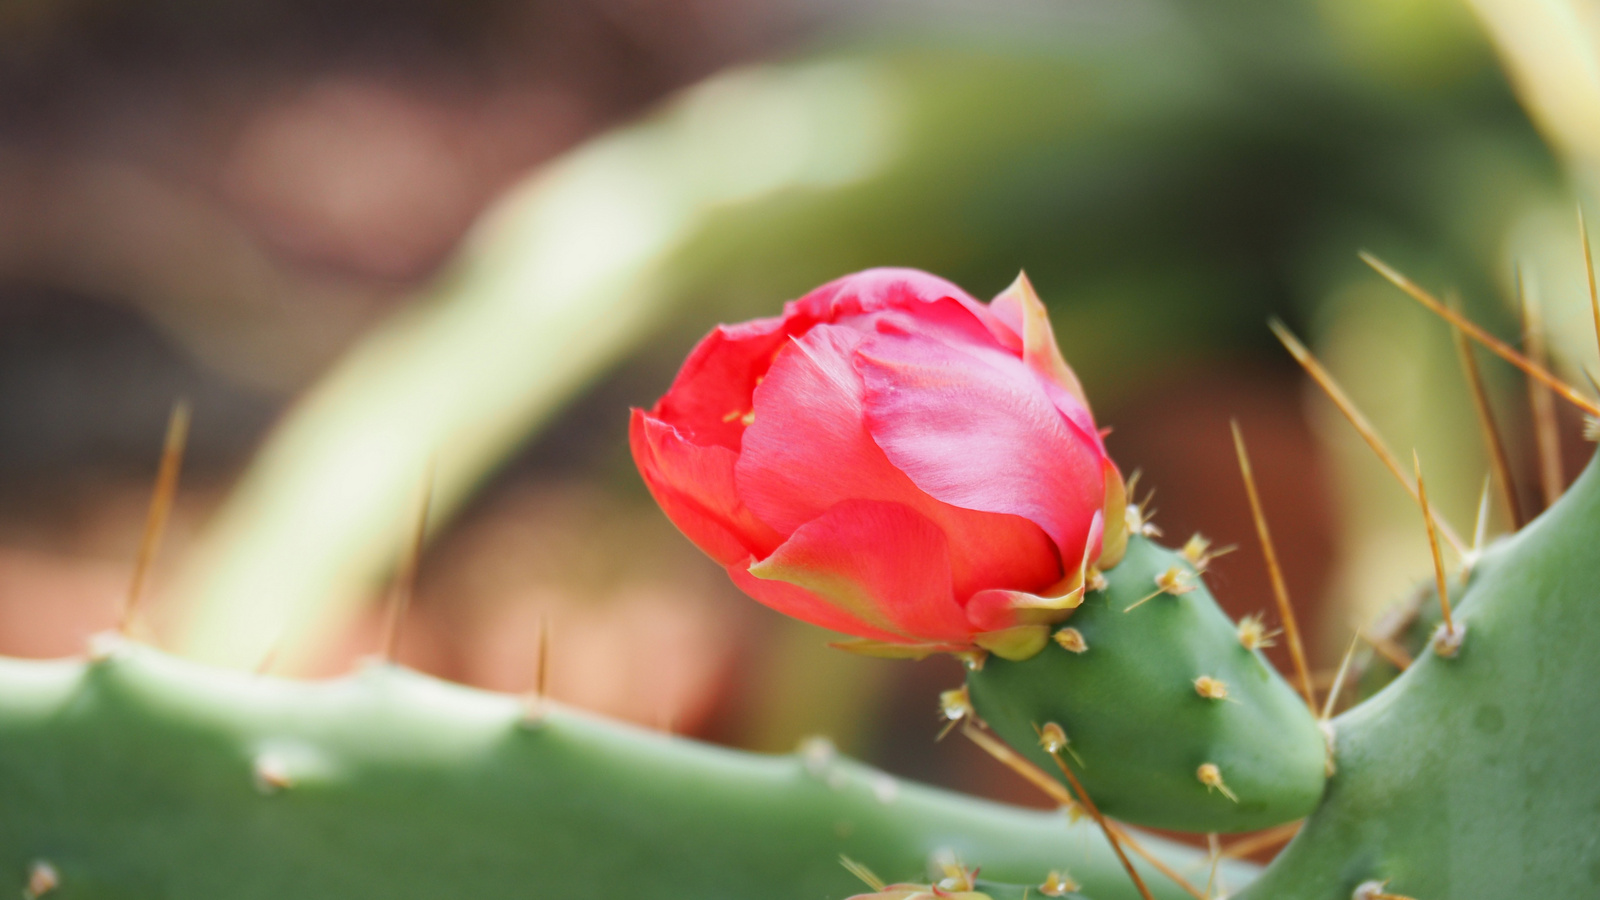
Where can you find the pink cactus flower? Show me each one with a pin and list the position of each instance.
(891, 459)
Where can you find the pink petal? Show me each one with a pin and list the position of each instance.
(806, 449)
(695, 488)
(710, 398)
(873, 290)
(1021, 309)
(944, 320)
(809, 449)
(870, 293)
(881, 563)
(980, 432)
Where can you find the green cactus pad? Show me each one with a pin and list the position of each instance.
(1139, 730)
(143, 776)
(1478, 777)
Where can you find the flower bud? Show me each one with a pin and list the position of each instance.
(894, 460)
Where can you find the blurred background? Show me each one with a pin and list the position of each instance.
(365, 238)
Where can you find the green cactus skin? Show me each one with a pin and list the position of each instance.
(144, 776)
(1477, 776)
(1134, 718)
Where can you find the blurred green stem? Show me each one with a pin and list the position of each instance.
(1551, 50)
(560, 279)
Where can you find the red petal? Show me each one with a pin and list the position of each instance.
(799, 603)
(993, 610)
(880, 563)
(695, 488)
(978, 431)
(712, 391)
(997, 610)
(809, 449)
